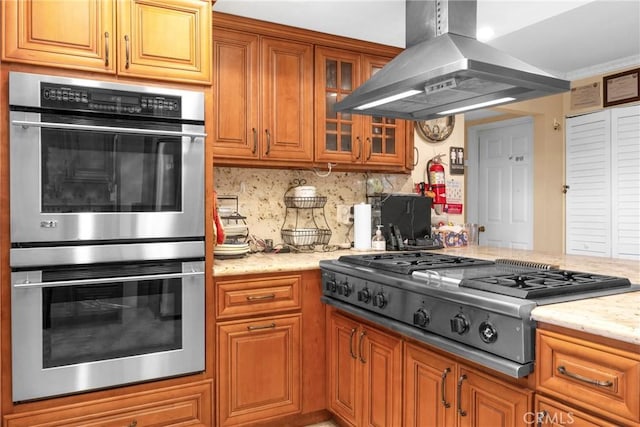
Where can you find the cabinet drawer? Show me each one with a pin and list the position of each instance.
(257, 296)
(590, 375)
(551, 413)
(189, 404)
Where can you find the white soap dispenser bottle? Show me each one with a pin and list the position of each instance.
(378, 243)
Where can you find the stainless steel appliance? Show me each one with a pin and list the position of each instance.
(84, 327)
(445, 70)
(107, 234)
(101, 161)
(473, 308)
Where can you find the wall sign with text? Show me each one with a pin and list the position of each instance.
(456, 161)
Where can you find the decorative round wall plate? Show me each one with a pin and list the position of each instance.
(436, 130)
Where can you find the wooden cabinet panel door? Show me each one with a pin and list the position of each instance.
(287, 100)
(169, 39)
(60, 33)
(381, 358)
(429, 389)
(384, 138)
(259, 369)
(487, 402)
(343, 382)
(236, 94)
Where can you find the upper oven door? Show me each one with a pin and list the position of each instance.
(83, 178)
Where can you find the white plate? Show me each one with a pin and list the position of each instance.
(231, 249)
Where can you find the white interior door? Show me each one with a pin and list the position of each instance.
(505, 183)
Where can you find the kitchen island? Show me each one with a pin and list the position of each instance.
(615, 316)
(605, 331)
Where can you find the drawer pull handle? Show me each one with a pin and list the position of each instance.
(443, 400)
(133, 423)
(258, 327)
(579, 377)
(260, 297)
(541, 417)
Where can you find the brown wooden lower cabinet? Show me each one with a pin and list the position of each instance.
(441, 392)
(365, 373)
(184, 405)
(590, 375)
(259, 369)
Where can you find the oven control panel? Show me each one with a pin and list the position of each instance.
(97, 100)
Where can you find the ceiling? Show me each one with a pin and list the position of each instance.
(570, 39)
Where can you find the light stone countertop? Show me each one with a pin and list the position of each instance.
(615, 316)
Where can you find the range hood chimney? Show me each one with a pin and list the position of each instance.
(445, 70)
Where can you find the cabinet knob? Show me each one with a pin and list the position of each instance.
(133, 423)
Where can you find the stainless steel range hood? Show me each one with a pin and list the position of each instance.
(445, 70)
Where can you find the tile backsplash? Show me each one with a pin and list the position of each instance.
(261, 195)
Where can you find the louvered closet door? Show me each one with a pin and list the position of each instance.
(588, 176)
(603, 175)
(625, 167)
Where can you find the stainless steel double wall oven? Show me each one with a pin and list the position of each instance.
(107, 233)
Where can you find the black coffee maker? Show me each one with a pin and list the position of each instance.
(405, 220)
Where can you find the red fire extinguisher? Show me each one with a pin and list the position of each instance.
(436, 178)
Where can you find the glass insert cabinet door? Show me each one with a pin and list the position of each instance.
(339, 135)
(346, 137)
(384, 137)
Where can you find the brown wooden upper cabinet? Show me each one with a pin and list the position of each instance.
(263, 94)
(160, 39)
(368, 141)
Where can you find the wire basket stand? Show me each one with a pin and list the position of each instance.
(300, 228)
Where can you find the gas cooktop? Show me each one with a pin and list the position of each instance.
(519, 279)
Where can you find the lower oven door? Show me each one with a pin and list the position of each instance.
(80, 328)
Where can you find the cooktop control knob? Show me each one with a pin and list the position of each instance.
(364, 295)
(331, 285)
(459, 324)
(345, 289)
(488, 333)
(421, 318)
(379, 300)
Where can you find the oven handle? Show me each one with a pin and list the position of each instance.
(102, 280)
(26, 124)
